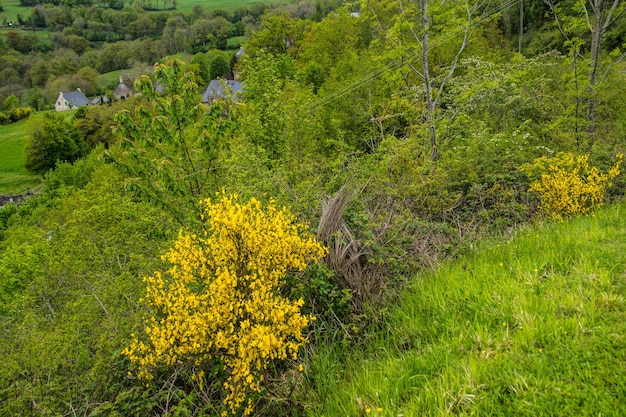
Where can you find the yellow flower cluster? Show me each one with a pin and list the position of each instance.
(221, 297)
(571, 187)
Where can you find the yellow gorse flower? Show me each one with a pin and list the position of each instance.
(570, 186)
(221, 297)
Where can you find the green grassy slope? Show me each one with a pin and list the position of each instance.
(529, 327)
(11, 9)
(14, 178)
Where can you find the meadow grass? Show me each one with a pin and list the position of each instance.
(112, 78)
(14, 178)
(187, 5)
(11, 9)
(235, 42)
(532, 326)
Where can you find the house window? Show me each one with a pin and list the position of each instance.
(58, 103)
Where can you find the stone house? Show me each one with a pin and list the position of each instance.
(122, 91)
(70, 99)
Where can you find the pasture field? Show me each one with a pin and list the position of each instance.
(530, 326)
(187, 5)
(11, 9)
(14, 178)
(235, 42)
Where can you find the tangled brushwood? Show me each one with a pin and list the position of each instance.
(220, 301)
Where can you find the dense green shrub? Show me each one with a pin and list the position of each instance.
(19, 113)
(54, 139)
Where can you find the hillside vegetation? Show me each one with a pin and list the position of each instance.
(363, 229)
(531, 325)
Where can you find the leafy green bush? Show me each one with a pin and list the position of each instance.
(70, 301)
(568, 185)
(54, 139)
(19, 113)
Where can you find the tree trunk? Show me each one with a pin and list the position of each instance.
(430, 107)
(596, 36)
(521, 25)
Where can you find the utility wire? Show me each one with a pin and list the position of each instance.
(375, 74)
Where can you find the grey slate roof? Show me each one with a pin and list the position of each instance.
(99, 100)
(215, 90)
(76, 98)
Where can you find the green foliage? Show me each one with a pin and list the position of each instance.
(10, 103)
(280, 34)
(94, 123)
(15, 113)
(203, 72)
(218, 67)
(170, 142)
(265, 116)
(54, 139)
(314, 75)
(70, 298)
(568, 185)
(19, 113)
(323, 297)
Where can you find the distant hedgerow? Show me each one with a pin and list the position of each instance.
(219, 305)
(568, 185)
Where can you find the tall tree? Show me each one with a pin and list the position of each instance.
(598, 16)
(170, 142)
(407, 28)
(54, 139)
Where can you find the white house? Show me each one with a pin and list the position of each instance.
(70, 99)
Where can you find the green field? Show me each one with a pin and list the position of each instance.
(187, 5)
(14, 178)
(531, 326)
(235, 42)
(11, 9)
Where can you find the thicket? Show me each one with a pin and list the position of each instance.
(338, 123)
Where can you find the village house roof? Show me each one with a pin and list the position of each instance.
(75, 98)
(70, 99)
(215, 90)
(99, 100)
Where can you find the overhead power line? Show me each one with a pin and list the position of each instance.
(396, 63)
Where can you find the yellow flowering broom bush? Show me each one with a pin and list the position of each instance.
(569, 186)
(220, 300)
